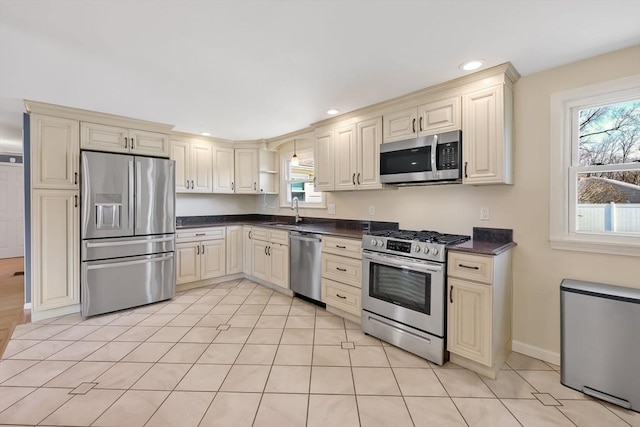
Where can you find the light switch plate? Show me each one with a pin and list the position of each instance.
(372, 210)
(331, 208)
(484, 213)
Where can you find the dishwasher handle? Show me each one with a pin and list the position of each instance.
(313, 238)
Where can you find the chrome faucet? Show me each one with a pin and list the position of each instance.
(294, 206)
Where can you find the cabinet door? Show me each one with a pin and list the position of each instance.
(149, 143)
(55, 152)
(187, 262)
(279, 260)
(234, 249)
(369, 138)
(223, 170)
(400, 125)
(201, 167)
(439, 116)
(213, 259)
(55, 250)
(180, 153)
(484, 144)
(246, 171)
(248, 250)
(323, 161)
(260, 266)
(98, 137)
(345, 158)
(469, 326)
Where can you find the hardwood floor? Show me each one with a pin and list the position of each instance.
(12, 310)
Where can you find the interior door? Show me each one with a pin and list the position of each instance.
(154, 196)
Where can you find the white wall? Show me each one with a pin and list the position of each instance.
(524, 207)
(214, 204)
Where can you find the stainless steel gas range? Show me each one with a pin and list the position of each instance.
(404, 287)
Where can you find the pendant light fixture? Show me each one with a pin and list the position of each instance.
(294, 159)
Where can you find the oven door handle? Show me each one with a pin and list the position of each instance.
(382, 259)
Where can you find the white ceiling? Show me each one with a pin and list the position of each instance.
(257, 69)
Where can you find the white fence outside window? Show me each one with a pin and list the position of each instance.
(614, 217)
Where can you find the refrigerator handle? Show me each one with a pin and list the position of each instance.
(131, 194)
(138, 191)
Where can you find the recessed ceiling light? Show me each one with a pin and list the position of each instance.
(205, 134)
(332, 111)
(472, 65)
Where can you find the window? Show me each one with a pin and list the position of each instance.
(298, 181)
(595, 168)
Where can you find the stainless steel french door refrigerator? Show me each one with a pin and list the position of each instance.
(128, 230)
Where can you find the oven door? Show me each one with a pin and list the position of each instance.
(405, 290)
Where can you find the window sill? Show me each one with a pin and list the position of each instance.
(625, 246)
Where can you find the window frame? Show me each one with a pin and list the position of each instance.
(284, 157)
(564, 168)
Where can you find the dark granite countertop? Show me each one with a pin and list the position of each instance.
(341, 228)
(487, 241)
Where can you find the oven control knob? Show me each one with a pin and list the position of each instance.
(373, 242)
(426, 249)
(435, 251)
(381, 243)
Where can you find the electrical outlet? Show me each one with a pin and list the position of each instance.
(331, 208)
(372, 210)
(484, 213)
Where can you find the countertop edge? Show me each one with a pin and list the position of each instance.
(482, 247)
(328, 230)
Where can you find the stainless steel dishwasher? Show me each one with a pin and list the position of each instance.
(305, 263)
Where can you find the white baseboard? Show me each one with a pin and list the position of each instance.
(27, 306)
(536, 352)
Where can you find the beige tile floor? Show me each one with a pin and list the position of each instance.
(238, 354)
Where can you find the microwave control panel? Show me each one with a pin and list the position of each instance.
(447, 156)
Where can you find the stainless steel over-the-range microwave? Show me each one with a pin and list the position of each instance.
(422, 160)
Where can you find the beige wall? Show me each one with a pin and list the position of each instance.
(214, 204)
(524, 207)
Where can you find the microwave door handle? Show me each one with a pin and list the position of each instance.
(434, 147)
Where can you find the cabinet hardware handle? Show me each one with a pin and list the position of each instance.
(341, 269)
(465, 169)
(75, 177)
(133, 143)
(189, 184)
(341, 247)
(200, 234)
(75, 201)
(414, 125)
(469, 267)
(353, 179)
(202, 249)
(125, 142)
(451, 295)
(420, 127)
(198, 250)
(250, 234)
(254, 186)
(232, 187)
(265, 250)
(193, 184)
(269, 251)
(340, 296)
(358, 178)
(186, 184)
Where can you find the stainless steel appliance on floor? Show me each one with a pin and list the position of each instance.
(305, 263)
(128, 227)
(600, 341)
(403, 289)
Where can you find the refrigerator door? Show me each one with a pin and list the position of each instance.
(155, 196)
(116, 284)
(107, 196)
(96, 249)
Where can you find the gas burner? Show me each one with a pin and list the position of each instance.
(425, 244)
(425, 236)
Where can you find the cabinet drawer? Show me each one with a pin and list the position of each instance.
(260, 234)
(345, 247)
(472, 267)
(277, 236)
(341, 269)
(194, 235)
(341, 296)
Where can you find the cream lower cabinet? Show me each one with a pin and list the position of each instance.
(200, 254)
(234, 241)
(55, 253)
(95, 136)
(270, 256)
(247, 250)
(479, 314)
(342, 275)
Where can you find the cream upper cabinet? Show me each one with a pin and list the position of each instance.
(434, 117)
(194, 166)
(246, 171)
(95, 136)
(234, 240)
(55, 152)
(323, 153)
(55, 252)
(487, 140)
(346, 162)
(223, 170)
(357, 155)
